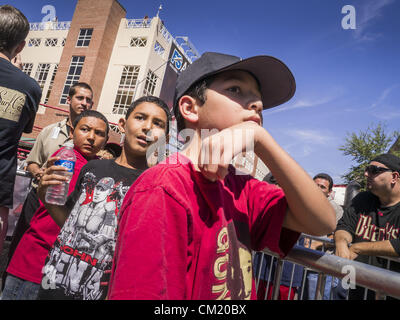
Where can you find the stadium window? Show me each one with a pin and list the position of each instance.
(85, 35)
(34, 42)
(74, 73)
(126, 89)
(27, 68)
(138, 42)
(150, 85)
(51, 42)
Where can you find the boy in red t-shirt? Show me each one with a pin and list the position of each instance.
(90, 134)
(187, 226)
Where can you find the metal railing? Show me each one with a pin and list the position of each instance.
(50, 25)
(383, 282)
(137, 23)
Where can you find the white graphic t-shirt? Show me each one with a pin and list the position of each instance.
(78, 266)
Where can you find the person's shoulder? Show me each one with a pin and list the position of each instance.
(49, 127)
(94, 163)
(26, 83)
(110, 167)
(165, 174)
(174, 173)
(364, 199)
(334, 204)
(365, 196)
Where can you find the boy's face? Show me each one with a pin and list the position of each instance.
(82, 100)
(323, 184)
(90, 136)
(144, 126)
(232, 98)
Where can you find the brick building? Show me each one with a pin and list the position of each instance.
(122, 59)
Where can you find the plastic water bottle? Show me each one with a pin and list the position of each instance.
(57, 194)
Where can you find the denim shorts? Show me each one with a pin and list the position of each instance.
(19, 289)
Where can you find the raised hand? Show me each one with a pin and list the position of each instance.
(51, 176)
(218, 150)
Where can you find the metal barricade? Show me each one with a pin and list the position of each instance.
(383, 281)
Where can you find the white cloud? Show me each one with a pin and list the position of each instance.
(384, 95)
(386, 107)
(310, 136)
(298, 150)
(387, 115)
(366, 15)
(309, 102)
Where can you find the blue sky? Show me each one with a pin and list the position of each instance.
(346, 80)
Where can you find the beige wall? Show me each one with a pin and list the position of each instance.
(43, 54)
(123, 54)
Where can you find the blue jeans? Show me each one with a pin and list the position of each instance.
(19, 289)
(312, 278)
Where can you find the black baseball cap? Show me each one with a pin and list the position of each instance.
(389, 160)
(276, 81)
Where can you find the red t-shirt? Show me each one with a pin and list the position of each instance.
(30, 254)
(182, 236)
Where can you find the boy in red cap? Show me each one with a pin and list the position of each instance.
(193, 238)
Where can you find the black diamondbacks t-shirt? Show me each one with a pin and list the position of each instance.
(19, 100)
(79, 264)
(366, 220)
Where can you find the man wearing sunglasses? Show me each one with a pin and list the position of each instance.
(371, 224)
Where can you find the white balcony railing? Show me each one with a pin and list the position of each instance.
(50, 25)
(137, 23)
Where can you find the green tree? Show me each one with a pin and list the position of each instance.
(364, 146)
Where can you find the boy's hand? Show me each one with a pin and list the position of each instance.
(50, 177)
(218, 150)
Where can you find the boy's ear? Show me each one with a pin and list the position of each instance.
(121, 124)
(71, 133)
(20, 47)
(189, 109)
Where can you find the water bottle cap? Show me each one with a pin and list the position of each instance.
(69, 144)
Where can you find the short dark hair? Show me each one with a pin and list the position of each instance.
(14, 27)
(197, 91)
(92, 113)
(151, 99)
(72, 89)
(114, 149)
(327, 177)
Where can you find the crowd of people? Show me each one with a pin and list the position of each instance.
(183, 228)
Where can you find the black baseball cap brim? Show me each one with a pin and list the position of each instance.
(277, 83)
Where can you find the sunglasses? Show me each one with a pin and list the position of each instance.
(371, 169)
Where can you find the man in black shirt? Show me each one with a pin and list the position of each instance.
(372, 222)
(19, 99)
